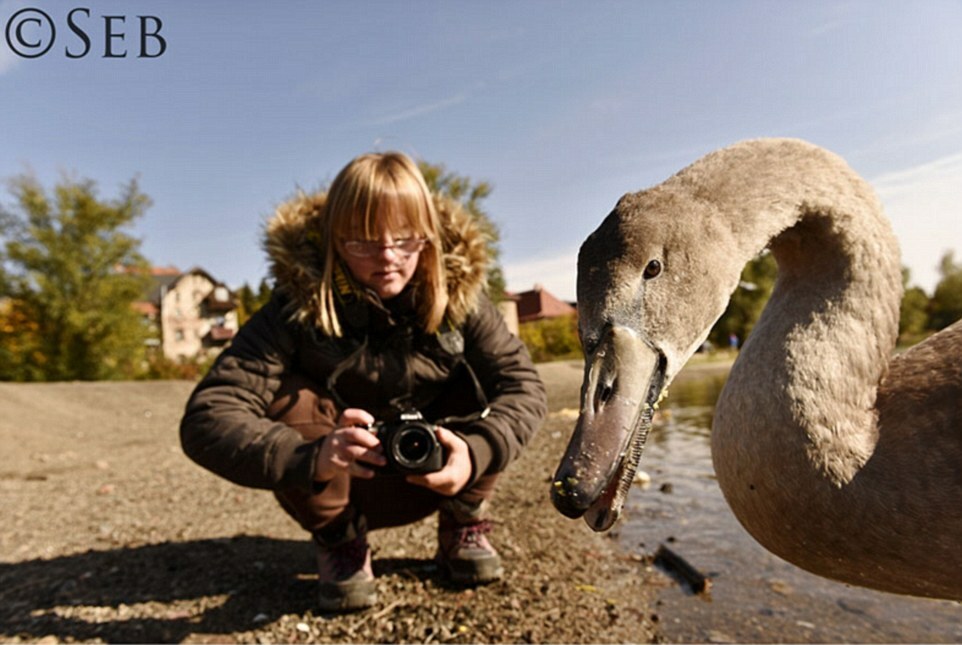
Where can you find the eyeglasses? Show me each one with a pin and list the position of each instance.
(370, 248)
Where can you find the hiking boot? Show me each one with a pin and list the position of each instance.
(345, 576)
(465, 553)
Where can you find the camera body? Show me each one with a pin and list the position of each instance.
(410, 445)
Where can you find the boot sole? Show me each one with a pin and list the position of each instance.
(344, 598)
(474, 572)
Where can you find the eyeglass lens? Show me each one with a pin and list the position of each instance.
(368, 248)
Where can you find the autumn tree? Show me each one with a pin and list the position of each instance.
(70, 273)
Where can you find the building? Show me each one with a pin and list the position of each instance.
(538, 304)
(193, 314)
(508, 307)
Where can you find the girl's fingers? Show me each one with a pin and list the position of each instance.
(355, 417)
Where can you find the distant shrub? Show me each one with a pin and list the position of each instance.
(552, 339)
(159, 367)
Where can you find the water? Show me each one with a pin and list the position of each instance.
(755, 596)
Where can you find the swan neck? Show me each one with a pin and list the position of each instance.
(823, 342)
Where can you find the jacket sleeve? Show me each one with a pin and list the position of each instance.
(225, 428)
(515, 393)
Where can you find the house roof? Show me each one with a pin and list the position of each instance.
(538, 303)
(159, 284)
(164, 279)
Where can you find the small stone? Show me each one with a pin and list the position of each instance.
(642, 479)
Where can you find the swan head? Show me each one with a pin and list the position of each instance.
(652, 280)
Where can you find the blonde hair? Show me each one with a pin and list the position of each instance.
(373, 192)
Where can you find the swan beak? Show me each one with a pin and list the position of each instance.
(623, 379)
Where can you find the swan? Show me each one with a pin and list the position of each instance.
(832, 454)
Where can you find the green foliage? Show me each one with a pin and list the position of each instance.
(945, 306)
(70, 275)
(552, 338)
(249, 302)
(748, 301)
(470, 195)
(913, 312)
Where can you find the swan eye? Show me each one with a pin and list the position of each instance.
(652, 270)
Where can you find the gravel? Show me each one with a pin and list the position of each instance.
(110, 534)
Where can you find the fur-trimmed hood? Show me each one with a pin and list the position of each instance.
(293, 240)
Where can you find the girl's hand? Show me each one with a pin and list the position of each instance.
(456, 472)
(348, 448)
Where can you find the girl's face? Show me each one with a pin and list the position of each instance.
(385, 264)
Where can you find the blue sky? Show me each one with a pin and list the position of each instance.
(562, 106)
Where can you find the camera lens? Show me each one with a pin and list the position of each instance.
(412, 445)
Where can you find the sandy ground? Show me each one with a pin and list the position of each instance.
(110, 534)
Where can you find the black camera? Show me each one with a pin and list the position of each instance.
(410, 445)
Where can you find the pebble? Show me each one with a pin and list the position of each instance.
(642, 479)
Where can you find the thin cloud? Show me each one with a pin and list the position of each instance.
(924, 203)
(420, 110)
(826, 28)
(911, 180)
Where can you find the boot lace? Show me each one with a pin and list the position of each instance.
(473, 534)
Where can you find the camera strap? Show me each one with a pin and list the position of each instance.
(402, 403)
(479, 395)
(448, 336)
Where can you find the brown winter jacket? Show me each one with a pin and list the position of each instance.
(385, 361)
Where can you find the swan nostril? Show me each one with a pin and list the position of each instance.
(605, 394)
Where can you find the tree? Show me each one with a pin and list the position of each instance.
(946, 304)
(249, 302)
(70, 276)
(747, 302)
(470, 195)
(913, 312)
(245, 303)
(552, 339)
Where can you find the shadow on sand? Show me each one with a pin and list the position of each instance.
(152, 593)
